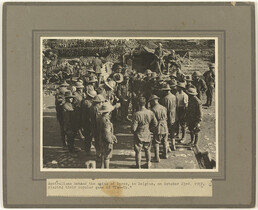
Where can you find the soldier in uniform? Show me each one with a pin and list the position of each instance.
(141, 123)
(170, 102)
(159, 61)
(97, 64)
(68, 71)
(86, 120)
(199, 84)
(79, 96)
(147, 84)
(189, 80)
(209, 77)
(180, 76)
(59, 102)
(91, 83)
(194, 115)
(124, 96)
(70, 127)
(173, 86)
(98, 100)
(107, 137)
(160, 134)
(182, 103)
(173, 60)
(110, 96)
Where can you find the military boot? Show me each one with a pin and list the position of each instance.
(138, 160)
(183, 135)
(156, 152)
(148, 158)
(173, 144)
(106, 163)
(165, 152)
(196, 138)
(192, 139)
(102, 163)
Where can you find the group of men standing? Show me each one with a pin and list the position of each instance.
(167, 104)
(161, 105)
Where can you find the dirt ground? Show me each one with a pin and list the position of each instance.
(55, 157)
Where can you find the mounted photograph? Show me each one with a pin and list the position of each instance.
(135, 104)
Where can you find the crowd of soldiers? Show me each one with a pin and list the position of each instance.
(162, 106)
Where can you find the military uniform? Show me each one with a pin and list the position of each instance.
(159, 62)
(200, 87)
(160, 134)
(148, 85)
(70, 127)
(170, 102)
(182, 102)
(94, 116)
(124, 97)
(86, 121)
(79, 96)
(210, 82)
(194, 116)
(142, 136)
(59, 102)
(97, 65)
(107, 139)
(194, 113)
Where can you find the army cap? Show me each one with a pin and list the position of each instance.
(91, 92)
(197, 74)
(99, 98)
(106, 107)
(181, 84)
(153, 97)
(192, 91)
(79, 85)
(148, 71)
(68, 94)
(166, 87)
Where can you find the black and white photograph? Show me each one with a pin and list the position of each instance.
(129, 104)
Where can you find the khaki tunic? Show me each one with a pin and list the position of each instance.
(141, 123)
(170, 102)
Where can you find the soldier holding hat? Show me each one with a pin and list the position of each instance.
(160, 134)
(98, 100)
(143, 120)
(86, 120)
(107, 137)
(199, 84)
(194, 115)
(170, 102)
(182, 103)
(209, 77)
(70, 122)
